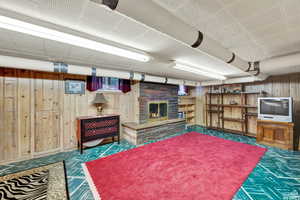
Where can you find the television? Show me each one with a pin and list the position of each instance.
(275, 109)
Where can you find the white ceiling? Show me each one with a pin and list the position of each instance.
(258, 34)
(253, 29)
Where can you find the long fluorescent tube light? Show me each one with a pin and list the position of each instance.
(195, 70)
(46, 33)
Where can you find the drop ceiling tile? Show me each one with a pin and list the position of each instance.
(196, 10)
(99, 21)
(242, 9)
(271, 29)
(236, 40)
(127, 30)
(171, 5)
(228, 2)
(250, 52)
(271, 16)
(293, 23)
(61, 11)
(22, 6)
(154, 42)
(276, 39)
(291, 7)
(294, 33)
(224, 18)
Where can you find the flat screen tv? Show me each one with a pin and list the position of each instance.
(275, 109)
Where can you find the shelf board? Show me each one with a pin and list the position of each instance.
(186, 97)
(251, 114)
(214, 111)
(190, 124)
(233, 93)
(234, 131)
(214, 128)
(186, 104)
(233, 119)
(188, 111)
(190, 117)
(231, 131)
(233, 106)
(251, 134)
(261, 92)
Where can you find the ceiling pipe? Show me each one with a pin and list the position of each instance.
(292, 60)
(29, 64)
(156, 17)
(247, 79)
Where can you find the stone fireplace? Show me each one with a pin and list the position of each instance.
(156, 114)
(157, 93)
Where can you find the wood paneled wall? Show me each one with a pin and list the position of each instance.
(275, 86)
(38, 118)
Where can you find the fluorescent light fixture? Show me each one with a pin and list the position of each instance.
(195, 70)
(50, 34)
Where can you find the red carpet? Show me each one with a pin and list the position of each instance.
(190, 166)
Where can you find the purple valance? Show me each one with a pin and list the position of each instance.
(94, 83)
(124, 85)
(186, 89)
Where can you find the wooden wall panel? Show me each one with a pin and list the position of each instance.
(38, 118)
(295, 91)
(47, 112)
(47, 131)
(2, 142)
(232, 125)
(252, 125)
(10, 128)
(24, 112)
(200, 106)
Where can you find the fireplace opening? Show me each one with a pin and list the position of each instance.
(158, 110)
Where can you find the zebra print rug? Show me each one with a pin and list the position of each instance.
(42, 183)
(29, 187)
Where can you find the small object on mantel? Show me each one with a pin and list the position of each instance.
(232, 102)
(99, 101)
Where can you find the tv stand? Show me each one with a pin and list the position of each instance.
(276, 134)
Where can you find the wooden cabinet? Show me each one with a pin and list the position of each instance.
(277, 134)
(97, 127)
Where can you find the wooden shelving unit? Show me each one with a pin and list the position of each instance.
(231, 111)
(187, 105)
